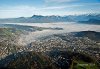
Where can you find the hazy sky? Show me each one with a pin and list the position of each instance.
(26, 8)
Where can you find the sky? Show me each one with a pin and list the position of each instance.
(27, 8)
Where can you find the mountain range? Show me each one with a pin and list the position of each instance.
(86, 18)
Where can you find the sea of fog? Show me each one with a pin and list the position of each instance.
(67, 27)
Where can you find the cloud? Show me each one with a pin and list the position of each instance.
(60, 7)
(68, 9)
(18, 11)
(58, 1)
(12, 8)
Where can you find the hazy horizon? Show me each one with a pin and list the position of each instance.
(27, 8)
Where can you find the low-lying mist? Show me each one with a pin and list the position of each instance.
(67, 27)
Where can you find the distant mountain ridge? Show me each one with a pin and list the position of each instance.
(36, 19)
(91, 21)
(93, 18)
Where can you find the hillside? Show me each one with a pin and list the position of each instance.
(54, 60)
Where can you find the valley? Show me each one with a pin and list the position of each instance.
(48, 43)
